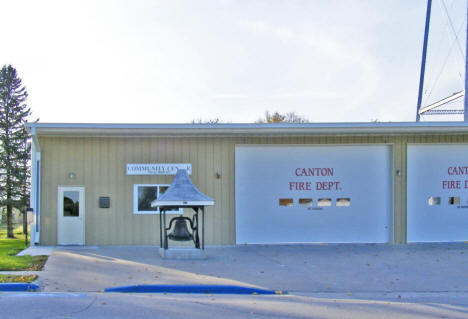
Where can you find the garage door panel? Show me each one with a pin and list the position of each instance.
(266, 174)
(436, 174)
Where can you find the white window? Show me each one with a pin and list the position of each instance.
(145, 194)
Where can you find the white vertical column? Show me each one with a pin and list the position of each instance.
(32, 195)
(34, 199)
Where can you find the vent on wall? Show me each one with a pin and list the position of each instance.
(104, 202)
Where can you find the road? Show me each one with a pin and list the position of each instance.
(325, 305)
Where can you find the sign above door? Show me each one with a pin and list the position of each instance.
(158, 168)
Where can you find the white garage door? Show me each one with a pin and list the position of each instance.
(437, 199)
(305, 194)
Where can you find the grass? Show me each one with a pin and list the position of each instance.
(9, 247)
(17, 278)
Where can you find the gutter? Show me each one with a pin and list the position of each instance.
(247, 129)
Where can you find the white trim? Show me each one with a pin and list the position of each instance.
(152, 212)
(245, 125)
(35, 140)
(37, 199)
(279, 129)
(34, 197)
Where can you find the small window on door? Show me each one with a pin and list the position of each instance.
(454, 200)
(433, 200)
(71, 204)
(305, 202)
(286, 202)
(343, 202)
(324, 202)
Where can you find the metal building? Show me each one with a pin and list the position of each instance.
(273, 183)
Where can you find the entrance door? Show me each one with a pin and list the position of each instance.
(71, 215)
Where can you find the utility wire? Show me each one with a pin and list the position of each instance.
(455, 41)
(441, 70)
(436, 55)
(453, 30)
(459, 64)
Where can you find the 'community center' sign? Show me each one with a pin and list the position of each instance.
(157, 169)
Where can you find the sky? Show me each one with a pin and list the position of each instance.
(150, 61)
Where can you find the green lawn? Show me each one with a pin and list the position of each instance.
(9, 247)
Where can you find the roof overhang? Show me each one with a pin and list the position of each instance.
(279, 129)
(184, 203)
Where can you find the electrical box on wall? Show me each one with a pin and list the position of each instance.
(104, 202)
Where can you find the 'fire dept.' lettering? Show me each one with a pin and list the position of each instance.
(317, 185)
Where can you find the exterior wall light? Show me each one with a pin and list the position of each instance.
(71, 175)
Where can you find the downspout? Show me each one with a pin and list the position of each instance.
(35, 186)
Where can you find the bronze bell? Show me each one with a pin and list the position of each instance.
(180, 232)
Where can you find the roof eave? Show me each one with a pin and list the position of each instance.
(89, 129)
(181, 203)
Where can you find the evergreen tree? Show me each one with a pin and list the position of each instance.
(14, 152)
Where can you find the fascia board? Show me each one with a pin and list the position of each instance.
(182, 203)
(89, 129)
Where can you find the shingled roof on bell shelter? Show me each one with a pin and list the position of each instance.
(182, 192)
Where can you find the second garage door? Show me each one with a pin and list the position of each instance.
(306, 194)
(437, 201)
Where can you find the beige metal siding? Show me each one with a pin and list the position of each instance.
(99, 166)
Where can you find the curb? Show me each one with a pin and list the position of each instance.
(194, 289)
(19, 287)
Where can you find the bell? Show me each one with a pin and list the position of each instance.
(180, 232)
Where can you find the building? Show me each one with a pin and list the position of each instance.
(273, 183)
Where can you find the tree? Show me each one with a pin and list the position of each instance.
(276, 117)
(14, 152)
(208, 121)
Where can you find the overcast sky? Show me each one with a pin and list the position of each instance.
(174, 61)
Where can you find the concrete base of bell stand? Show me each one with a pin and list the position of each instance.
(182, 253)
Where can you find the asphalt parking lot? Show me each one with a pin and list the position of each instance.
(298, 269)
(322, 281)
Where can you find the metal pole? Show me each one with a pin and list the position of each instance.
(25, 227)
(28, 210)
(203, 228)
(465, 111)
(165, 231)
(423, 61)
(160, 227)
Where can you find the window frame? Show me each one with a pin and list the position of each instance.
(151, 212)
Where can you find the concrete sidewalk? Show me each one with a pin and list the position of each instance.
(299, 269)
(37, 251)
